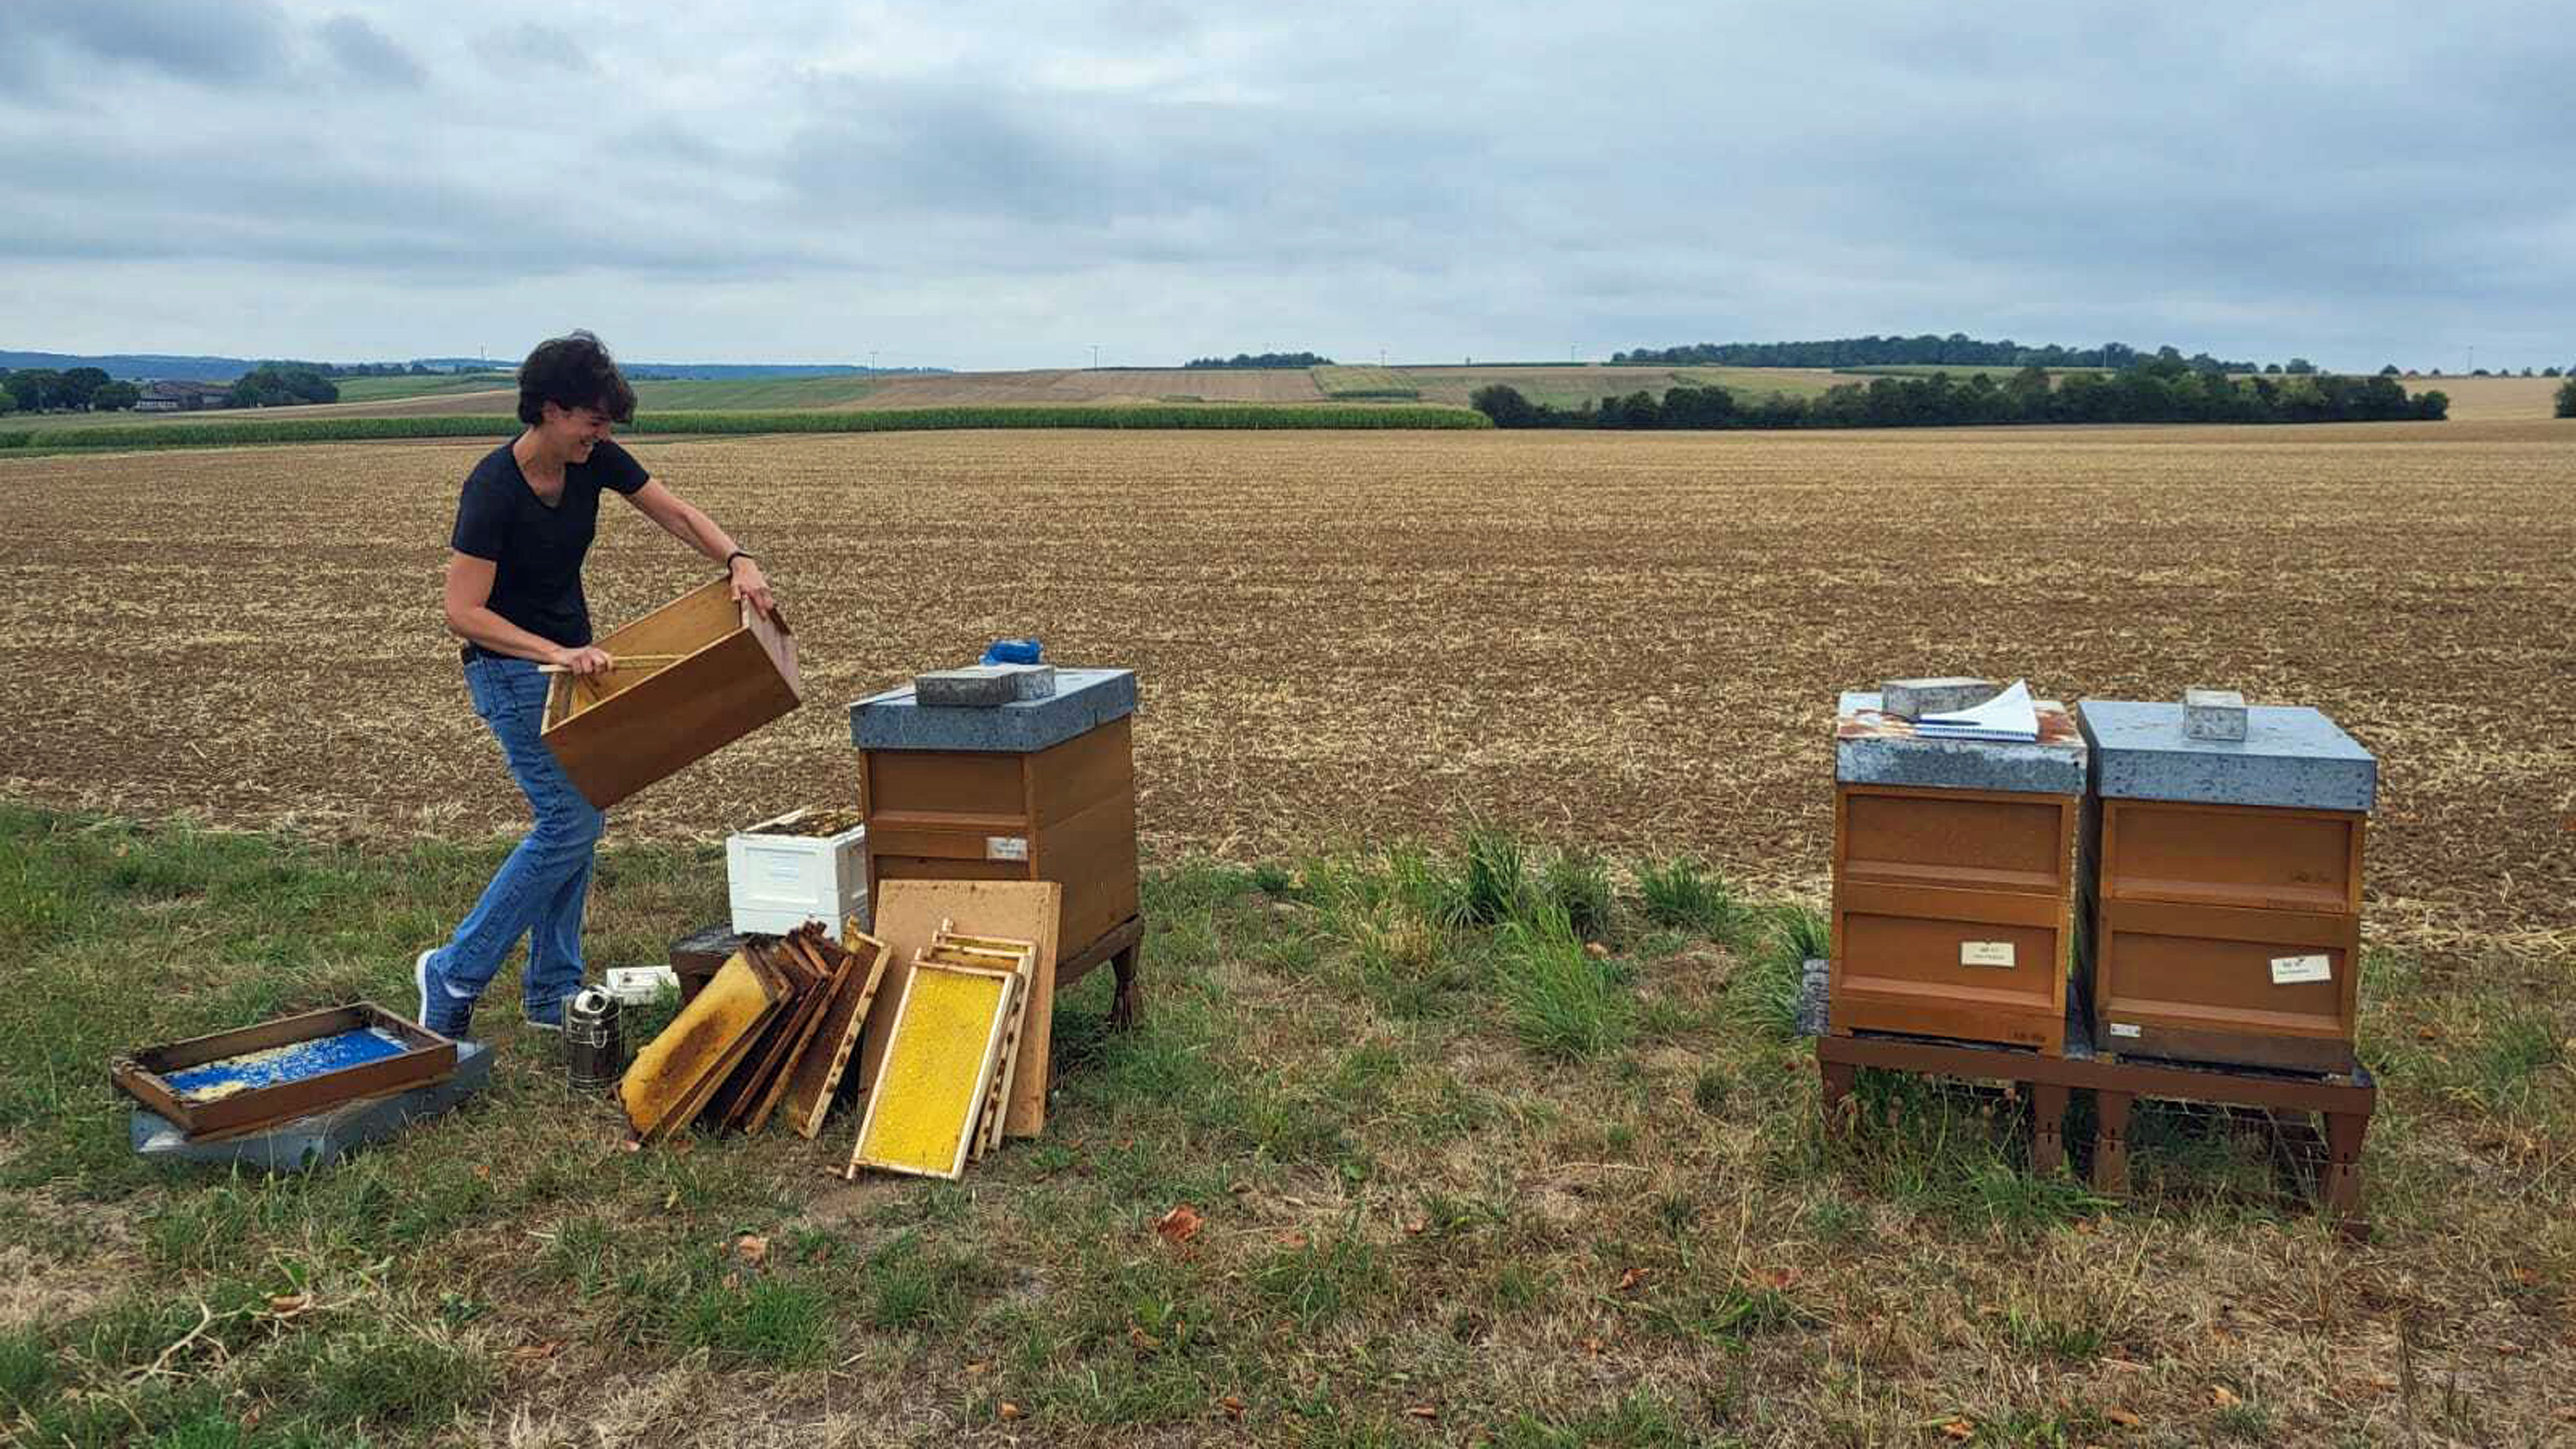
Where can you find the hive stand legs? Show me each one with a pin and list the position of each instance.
(1838, 1078)
(2341, 1188)
(2047, 1127)
(2111, 1142)
(1124, 1003)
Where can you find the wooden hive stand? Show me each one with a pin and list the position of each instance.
(2345, 1102)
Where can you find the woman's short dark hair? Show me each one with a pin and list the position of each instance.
(573, 371)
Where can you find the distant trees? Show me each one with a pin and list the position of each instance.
(115, 397)
(1956, 350)
(271, 384)
(2158, 390)
(1263, 359)
(2567, 398)
(33, 388)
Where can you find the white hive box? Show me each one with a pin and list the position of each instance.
(782, 881)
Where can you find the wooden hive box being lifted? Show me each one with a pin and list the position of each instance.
(1954, 864)
(729, 670)
(2222, 886)
(1044, 789)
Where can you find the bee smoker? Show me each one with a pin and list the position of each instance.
(594, 1044)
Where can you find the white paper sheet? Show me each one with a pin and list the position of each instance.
(2008, 716)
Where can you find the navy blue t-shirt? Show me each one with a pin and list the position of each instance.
(536, 549)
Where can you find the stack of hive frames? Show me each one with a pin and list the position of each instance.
(943, 1092)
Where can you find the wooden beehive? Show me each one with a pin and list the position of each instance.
(2222, 887)
(1043, 790)
(732, 670)
(1954, 865)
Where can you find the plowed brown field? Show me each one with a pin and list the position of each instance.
(1626, 640)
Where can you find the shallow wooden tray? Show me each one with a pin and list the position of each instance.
(144, 1075)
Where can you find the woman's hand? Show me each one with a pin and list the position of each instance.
(750, 586)
(589, 661)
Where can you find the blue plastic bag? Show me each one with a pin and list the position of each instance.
(1014, 651)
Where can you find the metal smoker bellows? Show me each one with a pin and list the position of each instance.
(594, 1045)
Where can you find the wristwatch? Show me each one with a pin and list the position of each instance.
(737, 553)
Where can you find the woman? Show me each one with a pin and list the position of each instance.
(514, 596)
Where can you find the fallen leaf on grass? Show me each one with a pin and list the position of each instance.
(1592, 1346)
(1776, 1279)
(1179, 1225)
(1009, 1410)
(532, 1352)
(752, 1248)
(2224, 1397)
(1233, 1406)
(1629, 1280)
(1423, 1412)
(2123, 1418)
(1417, 1227)
(287, 1305)
(978, 1367)
(2129, 1364)
(1960, 1430)
(1596, 950)
(2381, 1383)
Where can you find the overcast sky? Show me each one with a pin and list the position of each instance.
(1009, 186)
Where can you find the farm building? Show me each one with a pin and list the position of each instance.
(181, 395)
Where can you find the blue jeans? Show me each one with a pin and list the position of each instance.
(540, 890)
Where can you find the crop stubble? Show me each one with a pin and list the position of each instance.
(1632, 641)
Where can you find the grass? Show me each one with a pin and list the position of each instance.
(1221, 416)
(1461, 1179)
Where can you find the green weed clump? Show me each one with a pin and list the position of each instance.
(1559, 1000)
(1680, 897)
(1578, 883)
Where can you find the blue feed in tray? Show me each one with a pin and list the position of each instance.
(290, 1063)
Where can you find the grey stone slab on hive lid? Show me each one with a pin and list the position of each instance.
(984, 686)
(2291, 758)
(1915, 698)
(2213, 714)
(1873, 747)
(1084, 700)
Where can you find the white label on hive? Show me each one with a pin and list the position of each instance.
(1006, 847)
(2124, 1028)
(1985, 953)
(2287, 969)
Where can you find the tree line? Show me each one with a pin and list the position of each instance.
(1262, 359)
(1956, 350)
(2156, 391)
(2567, 395)
(90, 389)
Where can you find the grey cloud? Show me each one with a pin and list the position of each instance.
(368, 53)
(2294, 178)
(544, 45)
(203, 43)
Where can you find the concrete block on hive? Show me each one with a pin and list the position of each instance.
(1915, 698)
(984, 686)
(2213, 714)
